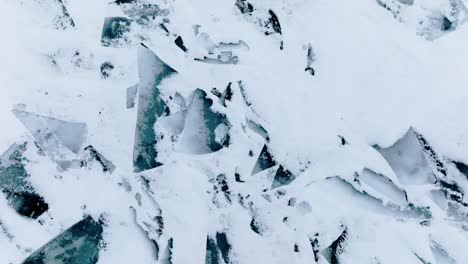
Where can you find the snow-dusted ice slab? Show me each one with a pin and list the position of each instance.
(384, 186)
(407, 159)
(79, 244)
(51, 133)
(15, 186)
(205, 131)
(152, 71)
(60, 140)
(113, 31)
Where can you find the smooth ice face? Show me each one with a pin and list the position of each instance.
(60, 139)
(282, 177)
(265, 161)
(15, 185)
(384, 186)
(79, 244)
(407, 159)
(152, 70)
(201, 126)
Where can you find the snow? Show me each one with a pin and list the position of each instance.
(376, 75)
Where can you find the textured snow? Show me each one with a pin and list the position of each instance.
(236, 132)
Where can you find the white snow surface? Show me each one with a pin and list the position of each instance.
(376, 76)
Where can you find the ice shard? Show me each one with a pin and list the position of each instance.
(407, 159)
(226, 95)
(265, 161)
(152, 71)
(333, 252)
(244, 6)
(224, 246)
(15, 186)
(180, 43)
(212, 253)
(384, 186)
(113, 31)
(79, 244)
(91, 155)
(282, 177)
(205, 131)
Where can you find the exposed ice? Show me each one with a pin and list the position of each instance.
(152, 71)
(78, 244)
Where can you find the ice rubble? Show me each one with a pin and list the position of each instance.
(210, 182)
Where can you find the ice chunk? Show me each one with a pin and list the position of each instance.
(79, 244)
(201, 126)
(15, 185)
(244, 6)
(333, 252)
(131, 95)
(212, 252)
(91, 154)
(462, 167)
(273, 22)
(224, 246)
(180, 43)
(257, 128)
(226, 95)
(113, 30)
(265, 161)
(346, 191)
(51, 134)
(452, 191)
(152, 70)
(407, 159)
(384, 186)
(314, 243)
(282, 177)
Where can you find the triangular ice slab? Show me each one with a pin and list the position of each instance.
(265, 161)
(407, 159)
(53, 134)
(79, 244)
